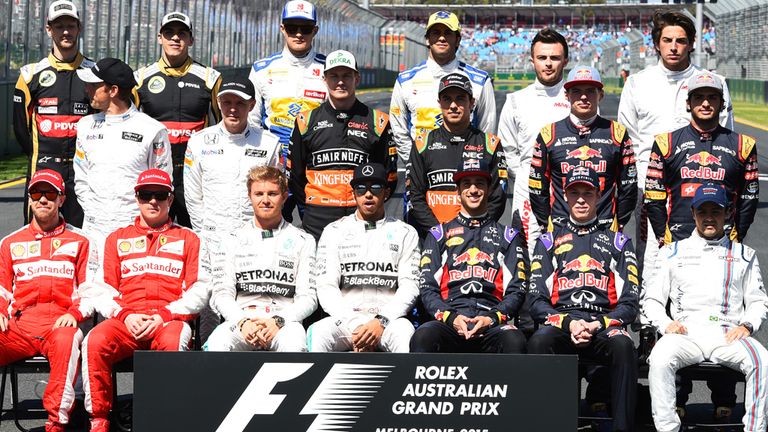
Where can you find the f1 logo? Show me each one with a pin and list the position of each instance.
(259, 390)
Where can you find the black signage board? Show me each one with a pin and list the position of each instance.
(360, 392)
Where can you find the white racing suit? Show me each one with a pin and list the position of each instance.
(524, 113)
(216, 167)
(653, 102)
(111, 152)
(713, 286)
(414, 101)
(261, 274)
(365, 269)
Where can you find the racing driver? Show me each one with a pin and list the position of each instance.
(584, 291)
(158, 281)
(290, 81)
(48, 100)
(264, 291)
(473, 275)
(414, 102)
(218, 160)
(703, 151)
(366, 274)
(329, 142)
(584, 138)
(47, 270)
(114, 146)
(718, 301)
(179, 93)
(430, 186)
(524, 113)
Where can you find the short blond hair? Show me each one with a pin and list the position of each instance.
(267, 173)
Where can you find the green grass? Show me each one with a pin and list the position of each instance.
(754, 113)
(13, 167)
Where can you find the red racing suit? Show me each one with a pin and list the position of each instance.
(48, 101)
(152, 271)
(683, 160)
(473, 267)
(43, 276)
(430, 190)
(605, 147)
(326, 146)
(183, 99)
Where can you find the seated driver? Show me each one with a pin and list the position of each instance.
(366, 274)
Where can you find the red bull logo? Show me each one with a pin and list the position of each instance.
(555, 321)
(599, 167)
(473, 272)
(584, 152)
(473, 256)
(583, 74)
(584, 280)
(584, 263)
(703, 158)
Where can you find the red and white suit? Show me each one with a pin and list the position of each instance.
(44, 275)
(154, 271)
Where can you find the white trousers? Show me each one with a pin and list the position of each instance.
(226, 337)
(674, 351)
(332, 334)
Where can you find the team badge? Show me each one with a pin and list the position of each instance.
(47, 78)
(156, 84)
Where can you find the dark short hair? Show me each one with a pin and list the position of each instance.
(549, 36)
(672, 18)
(125, 94)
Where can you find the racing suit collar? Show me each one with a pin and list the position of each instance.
(357, 108)
(581, 127)
(583, 229)
(149, 230)
(674, 76)
(61, 65)
(473, 222)
(268, 233)
(368, 224)
(722, 241)
(235, 137)
(299, 61)
(39, 234)
(439, 71)
(704, 135)
(119, 118)
(174, 71)
(550, 91)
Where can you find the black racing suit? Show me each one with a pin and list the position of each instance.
(326, 146)
(471, 267)
(183, 99)
(683, 160)
(588, 273)
(603, 146)
(48, 101)
(430, 190)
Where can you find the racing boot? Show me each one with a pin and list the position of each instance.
(51, 426)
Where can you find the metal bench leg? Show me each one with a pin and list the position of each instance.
(2, 393)
(15, 399)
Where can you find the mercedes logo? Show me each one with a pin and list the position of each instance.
(367, 170)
